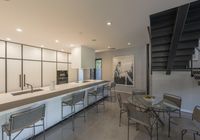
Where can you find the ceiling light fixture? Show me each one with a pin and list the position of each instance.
(19, 30)
(57, 41)
(109, 47)
(8, 39)
(109, 23)
(129, 43)
(42, 46)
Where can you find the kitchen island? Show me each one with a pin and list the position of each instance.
(11, 102)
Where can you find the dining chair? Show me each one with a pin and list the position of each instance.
(189, 125)
(122, 106)
(142, 117)
(111, 89)
(23, 120)
(175, 100)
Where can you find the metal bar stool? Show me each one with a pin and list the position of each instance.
(97, 93)
(23, 120)
(111, 88)
(76, 99)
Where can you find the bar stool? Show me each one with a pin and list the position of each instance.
(23, 120)
(76, 99)
(99, 92)
(111, 88)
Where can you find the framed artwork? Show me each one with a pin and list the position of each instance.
(123, 70)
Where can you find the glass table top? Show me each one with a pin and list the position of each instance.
(156, 103)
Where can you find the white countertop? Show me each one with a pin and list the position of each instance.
(8, 101)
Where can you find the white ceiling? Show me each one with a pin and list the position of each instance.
(80, 21)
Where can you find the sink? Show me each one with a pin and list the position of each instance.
(26, 92)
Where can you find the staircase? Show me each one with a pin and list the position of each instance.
(174, 35)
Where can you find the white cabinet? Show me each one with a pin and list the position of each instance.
(2, 49)
(62, 57)
(49, 73)
(13, 75)
(62, 66)
(32, 73)
(14, 50)
(49, 55)
(2, 75)
(72, 74)
(31, 53)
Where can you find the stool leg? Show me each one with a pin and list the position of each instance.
(96, 104)
(43, 129)
(2, 134)
(61, 111)
(73, 118)
(84, 111)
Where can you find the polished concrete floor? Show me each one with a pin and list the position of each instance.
(104, 126)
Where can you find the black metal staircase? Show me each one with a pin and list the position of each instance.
(174, 35)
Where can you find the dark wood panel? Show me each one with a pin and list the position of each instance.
(161, 41)
(162, 32)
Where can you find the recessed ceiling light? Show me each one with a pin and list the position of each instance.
(8, 39)
(72, 45)
(109, 47)
(62, 50)
(19, 30)
(109, 23)
(129, 43)
(42, 46)
(57, 41)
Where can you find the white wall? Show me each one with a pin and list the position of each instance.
(139, 64)
(178, 83)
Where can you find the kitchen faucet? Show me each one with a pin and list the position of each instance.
(29, 85)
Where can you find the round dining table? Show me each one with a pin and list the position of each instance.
(156, 105)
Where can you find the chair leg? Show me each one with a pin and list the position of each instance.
(43, 129)
(97, 104)
(2, 134)
(179, 113)
(84, 111)
(194, 135)
(73, 119)
(120, 117)
(128, 130)
(157, 130)
(61, 111)
(183, 132)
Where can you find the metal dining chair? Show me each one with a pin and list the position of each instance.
(99, 92)
(176, 100)
(111, 89)
(189, 125)
(122, 106)
(76, 99)
(23, 120)
(143, 117)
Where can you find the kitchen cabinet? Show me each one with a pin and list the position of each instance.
(49, 55)
(14, 51)
(49, 73)
(2, 75)
(31, 53)
(2, 49)
(32, 73)
(62, 66)
(62, 57)
(14, 76)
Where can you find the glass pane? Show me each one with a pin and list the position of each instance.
(31, 53)
(13, 50)
(2, 49)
